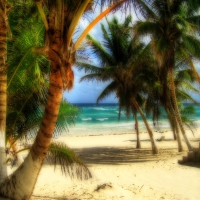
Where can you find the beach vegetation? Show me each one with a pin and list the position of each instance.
(60, 19)
(124, 62)
(185, 84)
(172, 27)
(45, 70)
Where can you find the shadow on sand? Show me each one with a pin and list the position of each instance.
(117, 156)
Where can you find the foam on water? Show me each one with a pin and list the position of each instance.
(103, 119)
(86, 119)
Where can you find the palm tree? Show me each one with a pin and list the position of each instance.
(122, 61)
(60, 20)
(184, 81)
(171, 26)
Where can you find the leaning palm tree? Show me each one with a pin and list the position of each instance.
(27, 94)
(184, 82)
(60, 19)
(122, 61)
(172, 26)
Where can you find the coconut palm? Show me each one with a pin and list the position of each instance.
(122, 60)
(27, 84)
(184, 81)
(27, 92)
(60, 19)
(171, 26)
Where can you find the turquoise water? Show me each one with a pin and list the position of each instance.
(103, 119)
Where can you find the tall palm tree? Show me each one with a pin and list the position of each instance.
(184, 81)
(27, 90)
(60, 20)
(122, 61)
(172, 26)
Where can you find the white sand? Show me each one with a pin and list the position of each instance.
(123, 172)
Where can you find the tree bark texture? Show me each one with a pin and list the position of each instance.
(21, 183)
(3, 88)
(176, 128)
(60, 25)
(153, 144)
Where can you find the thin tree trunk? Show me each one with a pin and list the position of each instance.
(175, 127)
(176, 110)
(180, 146)
(138, 143)
(174, 134)
(153, 144)
(3, 88)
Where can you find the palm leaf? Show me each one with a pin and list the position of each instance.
(60, 154)
(98, 50)
(111, 88)
(145, 28)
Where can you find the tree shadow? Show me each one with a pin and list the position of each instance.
(191, 164)
(120, 155)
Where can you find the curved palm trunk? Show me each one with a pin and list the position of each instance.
(176, 110)
(3, 88)
(21, 183)
(153, 144)
(61, 24)
(138, 143)
(95, 21)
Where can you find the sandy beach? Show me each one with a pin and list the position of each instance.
(122, 172)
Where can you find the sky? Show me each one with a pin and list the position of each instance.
(87, 92)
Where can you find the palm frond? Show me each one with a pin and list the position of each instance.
(60, 154)
(145, 28)
(97, 77)
(144, 9)
(88, 68)
(99, 51)
(191, 45)
(67, 117)
(111, 88)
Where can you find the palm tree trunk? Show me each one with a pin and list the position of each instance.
(58, 36)
(21, 183)
(176, 128)
(180, 146)
(138, 144)
(3, 88)
(176, 110)
(153, 144)
(174, 134)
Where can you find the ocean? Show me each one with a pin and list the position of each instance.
(103, 119)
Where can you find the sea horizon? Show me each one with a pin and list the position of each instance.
(102, 118)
